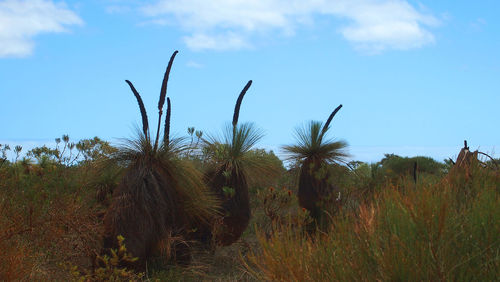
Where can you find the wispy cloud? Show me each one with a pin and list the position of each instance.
(195, 65)
(117, 9)
(370, 25)
(22, 20)
(477, 24)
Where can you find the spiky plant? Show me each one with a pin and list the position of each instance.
(159, 195)
(314, 153)
(226, 176)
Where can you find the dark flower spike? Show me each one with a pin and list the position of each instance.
(145, 125)
(238, 103)
(163, 94)
(327, 124)
(166, 138)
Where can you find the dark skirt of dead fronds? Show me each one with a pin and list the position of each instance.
(231, 187)
(315, 190)
(145, 210)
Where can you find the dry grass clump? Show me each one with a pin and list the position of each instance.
(45, 221)
(444, 231)
(16, 260)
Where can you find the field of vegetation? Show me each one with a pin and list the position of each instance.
(218, 208)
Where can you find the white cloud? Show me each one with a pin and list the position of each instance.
(21, 20)
(372, 25)
(202, 15)
(380, 25)
(220, 42)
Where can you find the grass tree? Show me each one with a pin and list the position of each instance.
(314, 153)
(229, 164)
(160, 196)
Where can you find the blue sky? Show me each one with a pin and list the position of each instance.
(415, 77)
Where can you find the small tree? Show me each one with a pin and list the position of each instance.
(314, 153)
(230, 160)
(160, 196)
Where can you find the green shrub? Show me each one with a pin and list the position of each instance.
(111, 268)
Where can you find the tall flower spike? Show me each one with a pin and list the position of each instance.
(145, 125)
(238, 103)
(327, 124)
(166, 137)
(163, 94)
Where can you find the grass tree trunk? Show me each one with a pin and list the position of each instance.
(231, 187)
(227, 180)
(141, 211)
(315, 190)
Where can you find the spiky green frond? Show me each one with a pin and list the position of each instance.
(199, 204)
(232, 146)
(233, 151)
(312, 145)
(141, 148)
